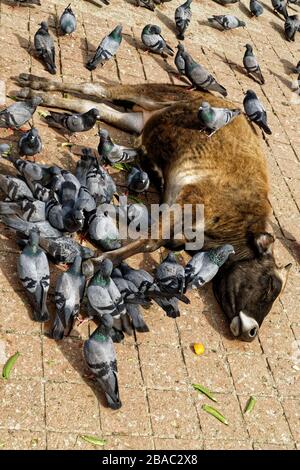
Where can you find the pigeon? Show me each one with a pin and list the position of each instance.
(67, 22)
(15, 188)
(138, 180)
(279, 6)
(251, 64)
(36, 176)
(179, 59)
(100, 356)
(213, 119)
(104, 299)
(103, 230)
(227, 21)
(106, 49)
(65, 216)
(30, 143)
(200, 77)
(256, 8)
(68, 296)
(4, 149)
(44, 46)
(30, 211)
(85, 201)
(132, 299)
(86, 163)
(146, 284)
(73, 122)
(138, 217)
(183, 15)
(113, 153)
(295, 70)
(170, 275)
(45, 228)
(100, 185)
(204, 265)
(17, 114)
(152, 39)
(291, 26)
(33, 270)
(66, 185)
(65, 249)
(146, 4)
(255, 111)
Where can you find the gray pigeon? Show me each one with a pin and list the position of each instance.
(146, 285)
(106, 49)
(251, 64)
(45, 228)
(85, 201)
(113, 153)
(146, 4)
(256, 8)
(67, 22)
(104, 299)
(73, 122)
(4, 149)
(227, 21)
(30, 143)
(33, 270)
(179, 59)
(17, 114)
(204, 265)
(213, 119)
(86, 163)
(31, 211)
(132, 299)
(66, 215)
(170, 276)
(138, 180)
(295, 70)
(68, 296)
(35, 174)
(103, 230)
(44, 46)
(291, 26)
(65, 249)
(200, 77)
(100, 356)
(100, 185)
(153, 40)
(183, 15)
(280, 6)
(15, 188)
(255, 111)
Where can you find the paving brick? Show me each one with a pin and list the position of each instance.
(273, 427)
(173, 414)
(71, 407)
(132, 418)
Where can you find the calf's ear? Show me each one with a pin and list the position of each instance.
(264, 242)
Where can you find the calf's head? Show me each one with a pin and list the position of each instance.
(246, 289)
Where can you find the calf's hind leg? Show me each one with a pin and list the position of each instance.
(129, 122)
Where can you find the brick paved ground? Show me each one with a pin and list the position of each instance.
(48, 403)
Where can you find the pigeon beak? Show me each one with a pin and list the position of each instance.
(98, 117)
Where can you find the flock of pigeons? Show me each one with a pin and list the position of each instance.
(47, 205)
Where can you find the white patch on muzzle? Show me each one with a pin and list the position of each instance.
(242, 323)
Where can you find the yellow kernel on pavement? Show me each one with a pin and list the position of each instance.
(198, 348)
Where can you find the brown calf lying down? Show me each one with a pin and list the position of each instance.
(226, 173)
